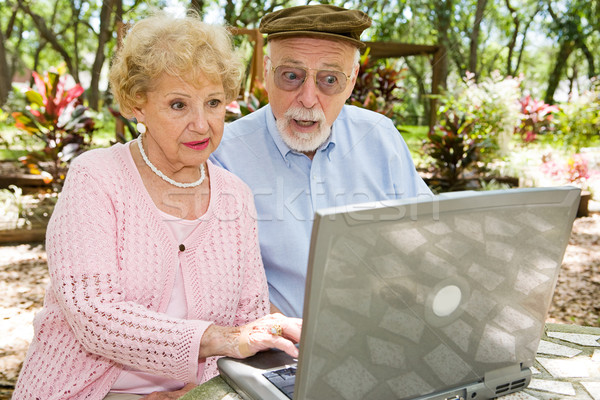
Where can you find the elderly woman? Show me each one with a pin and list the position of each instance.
(152, 250)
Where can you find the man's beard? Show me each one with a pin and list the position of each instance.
(300, 141)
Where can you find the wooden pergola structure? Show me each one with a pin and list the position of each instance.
(380, 50)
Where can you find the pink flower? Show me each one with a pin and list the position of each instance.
(233, 107)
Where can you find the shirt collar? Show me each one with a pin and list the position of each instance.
(283, 148)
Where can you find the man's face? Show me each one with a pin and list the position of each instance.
(305, 111)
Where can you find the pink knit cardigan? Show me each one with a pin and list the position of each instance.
(112, 264)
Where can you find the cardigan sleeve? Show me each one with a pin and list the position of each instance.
(254, 301)
(84, 265)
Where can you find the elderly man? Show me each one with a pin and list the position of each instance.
(307, 150)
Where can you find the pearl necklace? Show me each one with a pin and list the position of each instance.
(166, 178)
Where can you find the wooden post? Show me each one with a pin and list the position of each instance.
(395, 50)
(436, 67)
(256, 65)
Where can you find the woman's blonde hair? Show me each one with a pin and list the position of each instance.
(185, 47)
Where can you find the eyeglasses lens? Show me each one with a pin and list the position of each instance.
(291, 78)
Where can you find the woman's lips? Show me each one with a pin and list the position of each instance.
(199, 145)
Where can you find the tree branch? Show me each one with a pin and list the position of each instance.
(47, 34)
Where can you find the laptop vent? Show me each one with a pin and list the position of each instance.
(511, 387)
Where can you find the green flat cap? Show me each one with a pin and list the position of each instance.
(321, 21)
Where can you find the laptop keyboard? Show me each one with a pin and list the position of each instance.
(283, 379)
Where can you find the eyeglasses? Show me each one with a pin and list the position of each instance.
(290, 78)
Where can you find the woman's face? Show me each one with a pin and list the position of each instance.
(184, 122)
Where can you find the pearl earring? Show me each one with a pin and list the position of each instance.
(141, 128)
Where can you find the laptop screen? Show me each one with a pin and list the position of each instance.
(417, 296)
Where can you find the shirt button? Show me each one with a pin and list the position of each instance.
(181, 247)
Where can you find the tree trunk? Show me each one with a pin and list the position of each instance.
(5, 73)
(513, 39)
(36, 59)
(573, 78)
(75, 16)
(422, 90)
(523, 43)
(474, 45)
(589, 57)
(443, 22)
(565, 50)
(103, 37)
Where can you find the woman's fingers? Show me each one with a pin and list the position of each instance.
(285, 345)
(271, 331)
(292, 328)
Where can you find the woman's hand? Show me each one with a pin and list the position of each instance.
(169, 395)
(270, 331)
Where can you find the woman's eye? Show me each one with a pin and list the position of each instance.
(178, 105)
(214, 103)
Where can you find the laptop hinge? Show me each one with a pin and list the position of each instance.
(507, 380)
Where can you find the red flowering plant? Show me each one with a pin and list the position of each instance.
(258, 98)
(455, 149)
(574, 171)
(537, 118)
(56, 116)
(378, 86)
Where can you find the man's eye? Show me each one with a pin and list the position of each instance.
(330, 80)
(291, 76)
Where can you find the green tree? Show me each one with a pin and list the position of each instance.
(521, 18)
(475, 35)
(574, 26)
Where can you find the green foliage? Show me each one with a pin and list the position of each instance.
(578, 121)
(256, 99)
(455, 149)
(493, 104)
(57, 119)
(413, 135)
(474, 127)
(537, 119)
(11, 207)
(126, 123)
(19, 210)
(377, 86)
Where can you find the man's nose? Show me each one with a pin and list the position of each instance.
(308, 92)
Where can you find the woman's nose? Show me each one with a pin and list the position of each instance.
(199, 121)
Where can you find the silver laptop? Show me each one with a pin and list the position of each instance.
(427, 298)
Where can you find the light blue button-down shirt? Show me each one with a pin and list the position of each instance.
(364, 160)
